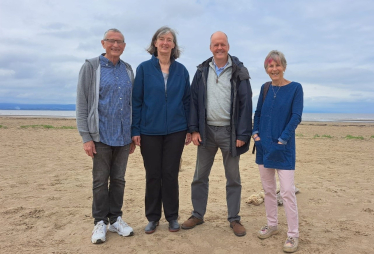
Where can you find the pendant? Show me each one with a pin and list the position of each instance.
(275, 96)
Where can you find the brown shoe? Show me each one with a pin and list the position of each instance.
(238, 228)
(192, 222)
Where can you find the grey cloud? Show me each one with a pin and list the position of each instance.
(42, 50)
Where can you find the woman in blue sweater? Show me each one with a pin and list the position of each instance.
(160, 109)
(276, 118)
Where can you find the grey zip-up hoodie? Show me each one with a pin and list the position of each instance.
(88, 88)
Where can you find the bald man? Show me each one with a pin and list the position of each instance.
(220, 117)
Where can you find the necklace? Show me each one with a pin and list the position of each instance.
(275, 93)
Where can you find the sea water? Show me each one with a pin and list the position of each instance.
(307, 117)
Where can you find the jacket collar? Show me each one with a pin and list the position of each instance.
(238, 69)
(156, 61)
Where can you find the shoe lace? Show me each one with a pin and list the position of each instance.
(121, 223)
(98, 227)
(265, 228)
(237, 221)
(290, 240)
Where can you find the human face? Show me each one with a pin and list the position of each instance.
(275, 71)
(164, 44)
(113, 50)
(219, 46)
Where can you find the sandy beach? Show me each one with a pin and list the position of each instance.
(45, 195)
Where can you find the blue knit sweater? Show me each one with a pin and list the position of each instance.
(276, 119)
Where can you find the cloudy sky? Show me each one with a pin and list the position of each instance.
(328, 44)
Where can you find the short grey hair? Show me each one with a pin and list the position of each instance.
(175, 52)
(276, 56)
(115, 30)
(227, 38)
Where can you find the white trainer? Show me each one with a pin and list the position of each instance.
(99, 232)
(121, 228)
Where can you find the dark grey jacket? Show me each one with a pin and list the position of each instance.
(241, 104)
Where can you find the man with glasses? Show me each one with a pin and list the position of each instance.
(104, 120)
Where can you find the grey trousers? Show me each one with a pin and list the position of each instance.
(109, 163)
(217, 137)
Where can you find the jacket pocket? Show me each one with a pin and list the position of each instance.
(277, 153)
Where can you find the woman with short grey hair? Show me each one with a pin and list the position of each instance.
(278, 113)
(161, 104)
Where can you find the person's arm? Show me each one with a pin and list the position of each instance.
(257, 116)
(186, 104)
(244, 127)
(85, 79)
(187, 96)
(137, 101)
(297, 110)
(193, 123)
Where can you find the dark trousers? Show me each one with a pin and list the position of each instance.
(161, 156)
(109, 162)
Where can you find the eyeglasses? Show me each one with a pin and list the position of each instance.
(111, 41)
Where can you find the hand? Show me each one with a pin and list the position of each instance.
(188, 139)
(256, 137)
(196, 139)
(280, 143)
(89, 148)
(132, 147)
(136, 140)
(239, 143)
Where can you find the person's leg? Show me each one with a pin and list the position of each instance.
(151, 149)
(200, 183)
(269, 185)
(173, 145)
(120, 157)
(231, 165)
(100, 175)
(287, 191)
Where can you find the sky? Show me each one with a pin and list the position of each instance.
(328, 44)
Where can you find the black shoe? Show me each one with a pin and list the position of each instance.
(174, 226)
(151, 227)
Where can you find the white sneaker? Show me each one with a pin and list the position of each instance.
(121, 228)
(99, 232)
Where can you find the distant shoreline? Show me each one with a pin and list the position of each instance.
(304, 122)
(307, 117)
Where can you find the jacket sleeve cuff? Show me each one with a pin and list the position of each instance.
(86, 137)
(243, 138)
(282, 141)
(193, 129)
(135, 133)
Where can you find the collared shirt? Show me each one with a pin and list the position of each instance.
(219, 70)
(114, 104)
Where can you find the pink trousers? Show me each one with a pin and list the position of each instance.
(287, 191)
